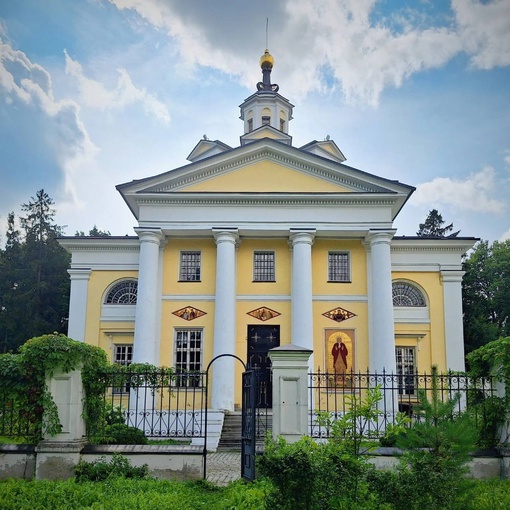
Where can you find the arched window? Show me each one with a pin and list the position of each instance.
(123, 293)
(405, 294)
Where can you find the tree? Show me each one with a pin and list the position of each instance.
(433, 226)
(34, 284)
(93, 232)
(486, 291)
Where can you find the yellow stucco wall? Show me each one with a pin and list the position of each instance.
(265, 176)
(431, 347)
(95, 329)
(426, 336)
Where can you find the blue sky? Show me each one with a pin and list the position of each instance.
(94, 93)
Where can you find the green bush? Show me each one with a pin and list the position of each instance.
(118, 467)
(118, 433)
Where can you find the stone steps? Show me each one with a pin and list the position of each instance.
(230, 438)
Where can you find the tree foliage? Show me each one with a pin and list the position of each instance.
(34, 284)
(433, 226)
(93, 232)
(486, 291)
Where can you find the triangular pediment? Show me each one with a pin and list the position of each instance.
(266, 175)
(326, 149)
(266, 132)
(261, 168)
(206, 148)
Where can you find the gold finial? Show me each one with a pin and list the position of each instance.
(266, 60)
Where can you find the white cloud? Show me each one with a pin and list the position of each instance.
(65, 136)
(95, 95)
(485, 31)
(505, 236)
(333, 43)
(476, 193)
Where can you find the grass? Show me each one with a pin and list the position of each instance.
(122, 494)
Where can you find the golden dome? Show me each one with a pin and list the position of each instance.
(266, 60)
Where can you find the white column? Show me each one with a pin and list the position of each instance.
(78, 303)
(453, 326)
(223, 380)
(301, 290)
(148, 302)
(382, 330)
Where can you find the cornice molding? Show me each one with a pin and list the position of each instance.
(264, 199)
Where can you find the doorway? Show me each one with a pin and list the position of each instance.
(260, 340)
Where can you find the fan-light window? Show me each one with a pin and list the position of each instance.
(123, 293)
(405, 294)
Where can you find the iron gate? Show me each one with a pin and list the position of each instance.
(248, 429)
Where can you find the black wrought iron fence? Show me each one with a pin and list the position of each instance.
(163, 404)
(19, 419)
(333, 395)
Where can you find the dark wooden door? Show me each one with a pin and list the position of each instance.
(260, 340)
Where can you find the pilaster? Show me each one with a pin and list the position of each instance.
(78, 303)
(453, 326)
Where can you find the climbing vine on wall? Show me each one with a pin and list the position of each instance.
(23, 388)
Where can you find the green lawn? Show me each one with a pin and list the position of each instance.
(122, 494)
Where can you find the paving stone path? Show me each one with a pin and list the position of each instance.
(223, 467)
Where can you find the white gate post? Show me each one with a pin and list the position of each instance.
(58, 455)
(290, 391)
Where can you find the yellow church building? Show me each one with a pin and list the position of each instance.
(262, 245)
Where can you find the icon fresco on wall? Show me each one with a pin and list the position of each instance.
(339, 314)
(263, 313)
(339, 353)
(189, 313)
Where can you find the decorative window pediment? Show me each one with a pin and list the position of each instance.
(339, 314)
(263, 313)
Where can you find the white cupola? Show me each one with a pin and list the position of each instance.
(266, 113)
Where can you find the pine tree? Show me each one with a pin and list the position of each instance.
(34, 284)
(433, 226)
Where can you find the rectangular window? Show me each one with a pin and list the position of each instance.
(263, 266)
(188, 356)
(266, 121)
(122, 355)
(406, 370)
(282, 125)
(190, 266)
(339, 267)
(250, 125)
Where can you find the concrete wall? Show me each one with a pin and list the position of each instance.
(167, 462)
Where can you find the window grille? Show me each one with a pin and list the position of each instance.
(250, 125)
(338, 267)
(122, 355)
(405, 294)
(266, 120)
(190, 266)
(123, 293)
(263, 266)
(406, 369)
(188, 356)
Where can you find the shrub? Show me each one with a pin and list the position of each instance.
(118, 467)
(118, 433)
